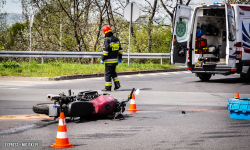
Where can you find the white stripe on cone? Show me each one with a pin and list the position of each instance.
(62, 135)
(62, 122)
(132, 101)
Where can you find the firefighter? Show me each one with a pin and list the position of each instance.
(112, 54)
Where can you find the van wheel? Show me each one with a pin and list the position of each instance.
(245, 76)
(205, 77)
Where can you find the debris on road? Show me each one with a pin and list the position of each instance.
(239, 108)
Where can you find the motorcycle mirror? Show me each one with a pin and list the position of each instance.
(137, 91)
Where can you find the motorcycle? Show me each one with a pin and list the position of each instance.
(84, 104)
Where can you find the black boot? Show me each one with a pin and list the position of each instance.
(107, 88)
(117, 85)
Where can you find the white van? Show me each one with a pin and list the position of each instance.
(215, 39)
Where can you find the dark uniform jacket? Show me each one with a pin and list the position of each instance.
(112, 50)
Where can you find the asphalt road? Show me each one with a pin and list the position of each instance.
(160, 124)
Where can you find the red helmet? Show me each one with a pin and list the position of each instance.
(106, 29)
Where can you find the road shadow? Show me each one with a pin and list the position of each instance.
(228, 81)
(92, 118)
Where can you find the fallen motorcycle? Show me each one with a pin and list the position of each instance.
(84, 104)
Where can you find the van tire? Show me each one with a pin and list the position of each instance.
(205, 77)
(245, 76)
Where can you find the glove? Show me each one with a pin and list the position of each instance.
(102, 62)
(120, 61)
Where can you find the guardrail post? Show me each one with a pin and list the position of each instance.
(42, 59)
(161, 61)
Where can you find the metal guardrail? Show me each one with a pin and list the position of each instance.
(49, 54)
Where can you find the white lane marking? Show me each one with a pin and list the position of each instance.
(186, 71)
(127, 76)
(9, 84)
(9, 88)
(26, 83)
(188, 77)
(76, 80)
(175, 72)
(164, 73)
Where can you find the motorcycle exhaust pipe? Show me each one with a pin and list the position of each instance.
(51, 97)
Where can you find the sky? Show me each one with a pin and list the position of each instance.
(12, 7)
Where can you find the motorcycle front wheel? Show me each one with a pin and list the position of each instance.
(42, 108)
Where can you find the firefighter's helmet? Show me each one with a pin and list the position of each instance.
(106, 29)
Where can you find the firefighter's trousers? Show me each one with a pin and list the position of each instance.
(110, 73)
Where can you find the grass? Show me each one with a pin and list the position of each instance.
(52, 69)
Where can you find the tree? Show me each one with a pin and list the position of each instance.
(76, 25)
(169, 5)
(150, 24)
(13, 32)
(110, 15)
(79, 7)
(59, 22)
(3, 24)
(2, 3)
(101, 9)
(73, 15)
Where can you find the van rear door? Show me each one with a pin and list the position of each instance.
(231, 36)
(181, 34)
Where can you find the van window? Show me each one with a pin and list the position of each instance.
(181, 28)
(231, 27)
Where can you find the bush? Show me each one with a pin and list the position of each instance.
(11, 64)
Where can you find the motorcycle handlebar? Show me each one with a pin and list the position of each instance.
(51, 97)
(132, 92)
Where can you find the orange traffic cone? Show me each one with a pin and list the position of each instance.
(237, 95)
(132, 105)
(62, 140)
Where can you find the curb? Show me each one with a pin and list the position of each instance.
(82, 76)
